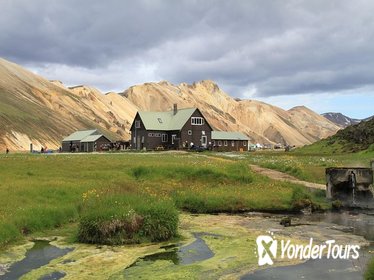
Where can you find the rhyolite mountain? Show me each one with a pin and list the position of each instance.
(35, 110)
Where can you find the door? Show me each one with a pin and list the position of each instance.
(138, 142)
(173, 136)
(204, 140)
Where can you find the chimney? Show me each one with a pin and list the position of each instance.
(175, 109)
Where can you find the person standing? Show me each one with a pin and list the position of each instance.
(7, 151)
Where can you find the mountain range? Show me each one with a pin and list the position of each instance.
(35, 110)
(342, 120)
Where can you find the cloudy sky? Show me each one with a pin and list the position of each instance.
(314, 53)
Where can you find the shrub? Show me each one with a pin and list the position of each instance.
(124, 218)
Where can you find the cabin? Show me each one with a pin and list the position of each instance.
(229, 141)
(175, 129)
(86, 141)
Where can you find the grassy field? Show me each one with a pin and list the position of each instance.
(308, 166)
(141, 192)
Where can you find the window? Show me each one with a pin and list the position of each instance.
(159, 120)
(203, 132)
(137, 124)
(189, 132)
(220, 143)
(233, 143)
(197, 121)
(156, 134)
(142, 139)
(150, 134)
(164, 137)
(225, 143)
(244, 143)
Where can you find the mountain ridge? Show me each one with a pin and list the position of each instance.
(35, 110)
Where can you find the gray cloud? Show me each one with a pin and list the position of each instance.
(258, 48)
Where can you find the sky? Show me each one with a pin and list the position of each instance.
(317, 53)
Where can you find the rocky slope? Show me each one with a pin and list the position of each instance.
(35, 110)
(340, 119)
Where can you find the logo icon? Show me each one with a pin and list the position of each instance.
(266, 249)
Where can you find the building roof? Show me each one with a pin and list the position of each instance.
(79, 135)
(224, 135)
(166, 120)
(93, 138)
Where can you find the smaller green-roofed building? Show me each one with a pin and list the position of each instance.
(225, 141)
(85, 141)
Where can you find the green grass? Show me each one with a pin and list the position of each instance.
(369, 274)
(39, 192)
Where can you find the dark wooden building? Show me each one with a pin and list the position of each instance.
(229, 141)
(175, 129)
(86, 141)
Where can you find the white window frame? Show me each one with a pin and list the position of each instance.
(197, 121)
(150, 134)
(219, 143)
(225, 143)
(173, 137)
(244, 143)
(189, 132)
(232, 143)
(164, 138)
(137, 124)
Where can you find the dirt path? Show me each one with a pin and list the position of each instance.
(277, 175)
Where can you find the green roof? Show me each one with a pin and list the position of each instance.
(93, 138)
(166, 120)
(79, 135)
(224, 135)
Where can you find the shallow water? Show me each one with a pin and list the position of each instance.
(180, 255)
(316, 269)
(357, 222)
(40, 254)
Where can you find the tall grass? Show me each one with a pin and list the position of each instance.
(369, 274)
(39, 192)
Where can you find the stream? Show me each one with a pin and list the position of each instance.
(40, 254)
(183, 258)
(357, 222)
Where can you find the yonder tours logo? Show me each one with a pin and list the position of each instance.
(268, 245)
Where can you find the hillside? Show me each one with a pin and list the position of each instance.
(355, 138)
(35, 110)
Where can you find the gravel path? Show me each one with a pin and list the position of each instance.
(277, 175)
